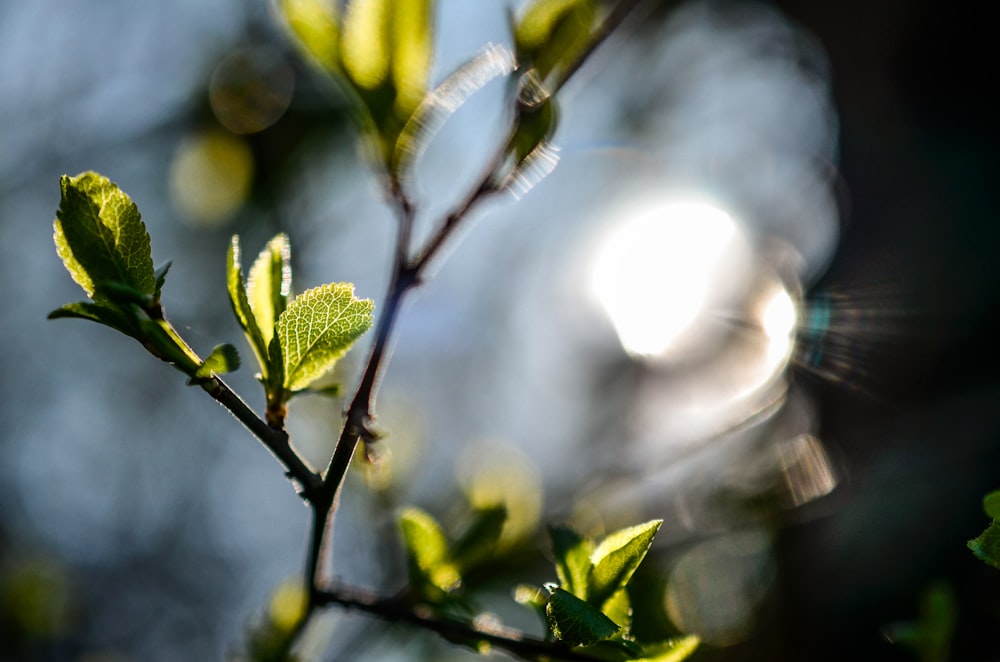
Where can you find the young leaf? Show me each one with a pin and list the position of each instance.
(427, 551)
(619, 609)
(317, 328)
(223, 359)
(366, 42)
(111, 317)
(616, 558)
(553, 33)
(269, 284)
(101, 238)
(242, 309)
(672, 650)
(572, 558)
(576, 622)
(313, 23)
(160, 276)
(412, 51)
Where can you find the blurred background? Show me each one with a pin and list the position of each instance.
(756, 299)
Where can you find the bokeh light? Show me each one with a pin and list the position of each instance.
(656, 271)
(210, 177)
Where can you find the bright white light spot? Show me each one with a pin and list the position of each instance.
(779, 318)
(655, 272)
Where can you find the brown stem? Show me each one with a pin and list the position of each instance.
(400, 610)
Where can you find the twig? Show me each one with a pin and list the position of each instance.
(400, 610)
(274, 439)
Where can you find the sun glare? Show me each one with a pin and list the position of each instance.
(655, 271)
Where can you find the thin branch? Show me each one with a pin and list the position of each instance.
(399, 610)
(275, 440)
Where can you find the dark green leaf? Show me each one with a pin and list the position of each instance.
(223, 359)
(100, 236)
(572, 559)
(616, 558)
(427, 551)
(161, 278)
(112, 317)
(576, 622)
(317, 328)
(330, 391)
(119, 295)
(479, 540)
(987, 546)
(991, 504)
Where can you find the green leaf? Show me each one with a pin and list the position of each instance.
(986, 547)
(223, 359)
(991, 504)
(479, 541)
(553, 33)
(160, 276)
(427, 551)
(111, 317)
(576, 622)
(313, 24)
(412, 52)
(317, 328)
(572, 559)
(365, 48)
(672, 650)
(100, 236)
(243, 311)
(616, 558)
(619, 609)
(269, 284)
(930, 636)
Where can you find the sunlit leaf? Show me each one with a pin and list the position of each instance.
(100, 236)
(365, 47)
(242, 309)
(616, 558)
(672, 650)
(572, 559)
(553, 33)
(269, 283)
(427, 551)
(317, 328)
(576, 622)
(222, 359)
(412, 51)
(619, 609)
(313, 23)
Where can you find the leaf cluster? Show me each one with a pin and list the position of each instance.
(103, 243)
(590, 608)
(296, 340)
